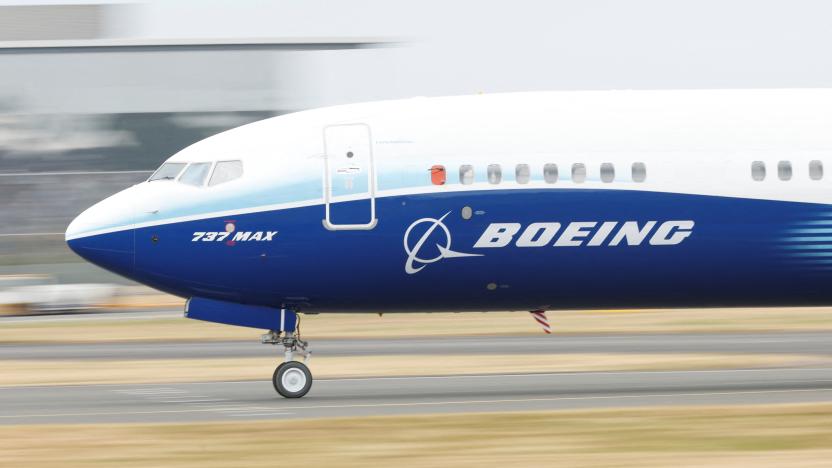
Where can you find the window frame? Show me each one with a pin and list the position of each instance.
(763, 173)
(435, 177)
(643, 171)
(556, 172)
(573, 171)
(173, 179)
(526, 172)
(607, 172)
(461, 172)
(816, 174)
(785, 170)
(208, 174)
(214, 168)
(498, 170)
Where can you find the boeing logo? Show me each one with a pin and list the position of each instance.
(445, 251)
(542, 234)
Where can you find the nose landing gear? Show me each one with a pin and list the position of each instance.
(291, 379)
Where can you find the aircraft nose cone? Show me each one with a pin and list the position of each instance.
(103, 234)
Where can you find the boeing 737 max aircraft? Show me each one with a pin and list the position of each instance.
(529, 202)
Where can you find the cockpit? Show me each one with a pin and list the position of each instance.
(199, 174)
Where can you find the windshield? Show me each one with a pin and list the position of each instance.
(226, 171)
(195, 174)
(168, 171)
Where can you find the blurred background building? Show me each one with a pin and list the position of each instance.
(95, 95)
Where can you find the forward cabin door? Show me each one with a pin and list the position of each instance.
(350, 177)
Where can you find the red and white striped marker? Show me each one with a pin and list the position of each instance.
(540, 317)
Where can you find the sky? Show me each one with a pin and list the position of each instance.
(468, 46)
(452, 47)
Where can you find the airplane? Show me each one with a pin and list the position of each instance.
(528, 201)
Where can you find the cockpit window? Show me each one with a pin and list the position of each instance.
(226, 171)
(195, 174)
(168, 171)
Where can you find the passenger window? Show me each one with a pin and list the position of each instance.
(226, 171)
(522, 173)
(168, 171)
(466, 174)
(578, 173)
(550, 173)
(758, 171)
(815, 170)
(195, 174)
(639, 172)
(784, 170)
(607, 172)
(495, 174)
(438, 175)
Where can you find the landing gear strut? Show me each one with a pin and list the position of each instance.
(291, 379)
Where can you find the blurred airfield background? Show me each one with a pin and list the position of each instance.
(95, 95)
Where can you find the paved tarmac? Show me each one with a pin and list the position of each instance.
(819, 343)
(249, 400)
(192, 402)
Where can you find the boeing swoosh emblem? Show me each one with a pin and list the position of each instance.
(414, 263)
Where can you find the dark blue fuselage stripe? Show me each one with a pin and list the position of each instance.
(740, 252)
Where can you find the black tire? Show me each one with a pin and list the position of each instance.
(292, 379)
(274, 376)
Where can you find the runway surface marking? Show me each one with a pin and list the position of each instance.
(448, 377)
(269, 411)
(200, 402)
(454, 377)
(242, 400)
(763, 344)
(550, 374)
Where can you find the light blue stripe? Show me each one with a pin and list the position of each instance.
(807, 239)
(817, 222)
(808, 247)
(812, 254)
(809, 231)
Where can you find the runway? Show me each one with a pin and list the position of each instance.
(818, 343)
(411, 395)
(244, 400)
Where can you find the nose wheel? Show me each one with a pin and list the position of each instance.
(292, 379)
